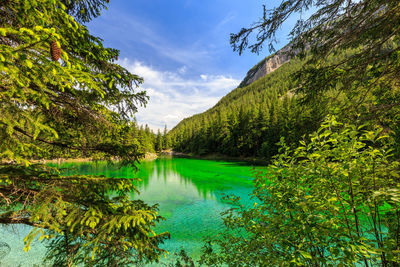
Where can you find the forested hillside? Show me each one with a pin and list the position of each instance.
(250, 120)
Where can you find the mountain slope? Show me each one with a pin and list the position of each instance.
(250, 120)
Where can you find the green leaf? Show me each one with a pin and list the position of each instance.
(305, 254)
(29, 63)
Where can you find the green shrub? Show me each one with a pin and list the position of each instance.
(333, 201)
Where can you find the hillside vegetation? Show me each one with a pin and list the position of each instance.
(250, 120)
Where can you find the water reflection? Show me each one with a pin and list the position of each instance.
(210, 178)
(188, 191)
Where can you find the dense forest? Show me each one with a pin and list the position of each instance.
(142, 137)
(145, 138)
(251, 120)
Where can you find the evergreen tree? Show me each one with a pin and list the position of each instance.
(249, 120)
(159, 141)
(166, 139)
(57, 84)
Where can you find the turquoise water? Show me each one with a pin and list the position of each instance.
(189, 193)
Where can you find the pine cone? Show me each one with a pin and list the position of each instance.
(55, 51)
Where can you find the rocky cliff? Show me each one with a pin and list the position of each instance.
(267, 65)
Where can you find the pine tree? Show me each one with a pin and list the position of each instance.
(159, 141)
(59, 109)
(166, 139)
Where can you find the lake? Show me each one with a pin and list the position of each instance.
(189, 193)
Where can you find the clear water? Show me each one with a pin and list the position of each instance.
(189, 193)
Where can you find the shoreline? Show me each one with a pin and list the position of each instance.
(255, 161)
(148, 156)
(153, 156)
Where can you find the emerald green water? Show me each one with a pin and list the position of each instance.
(189, 193)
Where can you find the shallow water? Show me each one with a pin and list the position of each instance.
(189, 193)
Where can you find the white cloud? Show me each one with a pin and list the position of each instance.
(204, 77)
(182, 70)
(174, 97)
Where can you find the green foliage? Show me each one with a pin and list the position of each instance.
(143, 137)
(86, 10)
(166, 139)
(159, 141)
(44, 101)
(89, 219)
(79, 106)
(332, 201)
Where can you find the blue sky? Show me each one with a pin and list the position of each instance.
(181, 49)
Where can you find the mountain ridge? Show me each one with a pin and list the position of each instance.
(266, 66)
(249, 120)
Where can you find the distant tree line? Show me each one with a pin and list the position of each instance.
(140, 136)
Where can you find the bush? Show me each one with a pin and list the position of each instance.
(332, 201)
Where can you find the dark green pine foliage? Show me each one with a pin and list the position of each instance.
(343, 71)
(159, 141)
(166, 139)
(143, 137)
(79, 105)
(363, 39)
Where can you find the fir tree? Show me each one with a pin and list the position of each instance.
(59, 109)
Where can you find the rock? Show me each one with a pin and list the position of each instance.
(266, 66)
